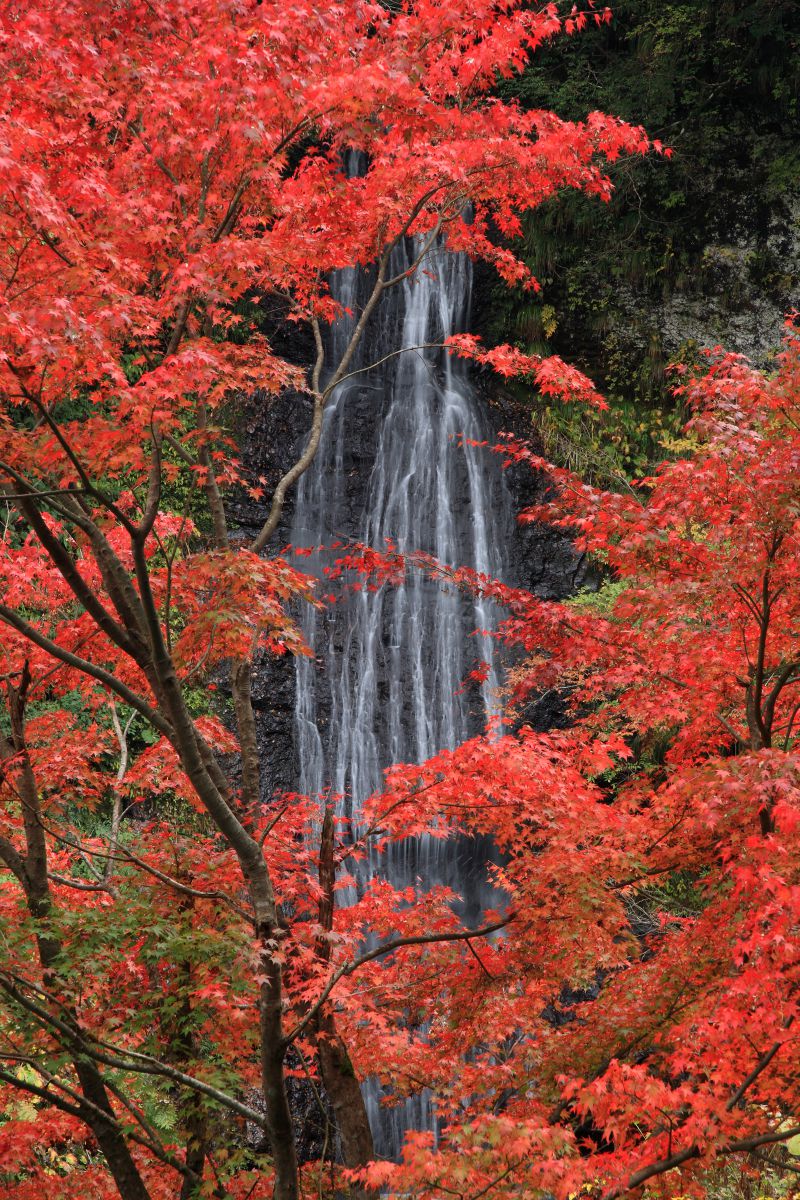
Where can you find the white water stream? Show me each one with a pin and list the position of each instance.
(386, 683)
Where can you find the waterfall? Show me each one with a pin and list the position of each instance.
(386, 683)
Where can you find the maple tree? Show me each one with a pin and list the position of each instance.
(636, 1023)
(166, 165)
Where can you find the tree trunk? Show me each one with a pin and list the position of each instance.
(280, 1128)
(344, 1092)
(338, 1077)
(109, 1138)
(36, 884)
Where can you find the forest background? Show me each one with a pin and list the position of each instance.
(697, 250)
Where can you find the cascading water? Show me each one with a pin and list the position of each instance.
(386, 685)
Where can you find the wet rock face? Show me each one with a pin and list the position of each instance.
(271, 434)
(315, 1130)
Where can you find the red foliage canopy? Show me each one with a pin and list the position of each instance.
(639, 1013)
(165, 167)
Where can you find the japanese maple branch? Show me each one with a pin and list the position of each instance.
(83, 1106)
(498, 1179)
(88, 485)
(755, 711)
(392, 354)
(13, 860)
(116, 812)
(128, 635)
(9, 617)
(776, 1166)
(124, 855)
(134, 1061)
(80, 885)
(68, 569)
(228, 222)
(425, 939)
(760, 1066)
(71, 510)
(790, 726)
(151, 505)
(784, 677)
(27, 1085)
(663, 1165)
(305, 460)
(210, 485)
